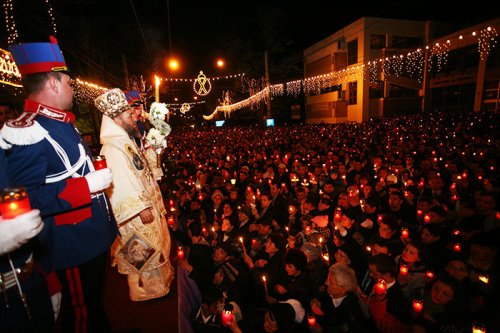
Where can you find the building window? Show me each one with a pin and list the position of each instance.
(400, 42)
(377, 89)
(352, 52)
(353, 93)
(377, 42)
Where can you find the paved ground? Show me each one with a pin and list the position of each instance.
(154, 316)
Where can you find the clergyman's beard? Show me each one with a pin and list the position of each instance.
(133, 131)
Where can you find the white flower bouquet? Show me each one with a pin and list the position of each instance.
(157, 135)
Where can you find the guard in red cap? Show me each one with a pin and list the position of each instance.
(48, 156)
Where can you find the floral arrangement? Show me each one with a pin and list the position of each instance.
(157, 134)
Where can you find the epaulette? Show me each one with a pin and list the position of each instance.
(23, 131)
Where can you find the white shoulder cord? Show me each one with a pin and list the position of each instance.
(71, 170)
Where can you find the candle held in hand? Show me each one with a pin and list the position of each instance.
(13, 202)
(99, 162)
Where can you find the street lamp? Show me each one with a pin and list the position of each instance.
(220, 63)
(173, 64)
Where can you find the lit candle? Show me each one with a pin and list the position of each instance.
(99, 162)
(180, 252)
(419, 212)
(227, 317)
(405, 234)
(326, 258)
(157, 89)
(311, 319)
(170, 220)
(264, 280)
(427, 218)
(418, 306)
(429, 275)
(484, 278)
(243, 246)
(457, 247)
(13, 202)
(478, 328)
(403, 270)
(338, 213)
(380, 287)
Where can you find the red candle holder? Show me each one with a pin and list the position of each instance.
(227, 317)
(405, 233)
(13, 202)
(403, 270)
(311, 319)
(429, 275)
(380, 287)
(99, 162)
(180, 252)
(418, 306)
(457, 247)
(170, 220)
(427, 218)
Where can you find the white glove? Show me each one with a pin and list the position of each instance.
(99, 180)
(56, 304)
(17, 231)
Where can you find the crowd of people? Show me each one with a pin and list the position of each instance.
(389, 225)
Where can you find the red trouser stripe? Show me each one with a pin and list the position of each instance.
(79, 307)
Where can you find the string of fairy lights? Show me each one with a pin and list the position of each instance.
(12, 35)
(409, 65)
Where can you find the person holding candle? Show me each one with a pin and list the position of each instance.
(16, 253)
(136, 200)
(412, 270)
(296, 283)
(389, 308)
(49, 157)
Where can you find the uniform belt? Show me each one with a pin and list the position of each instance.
(8, 279)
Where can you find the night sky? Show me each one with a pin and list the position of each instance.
(95, 33)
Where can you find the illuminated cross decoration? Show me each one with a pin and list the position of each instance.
(202, 85)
